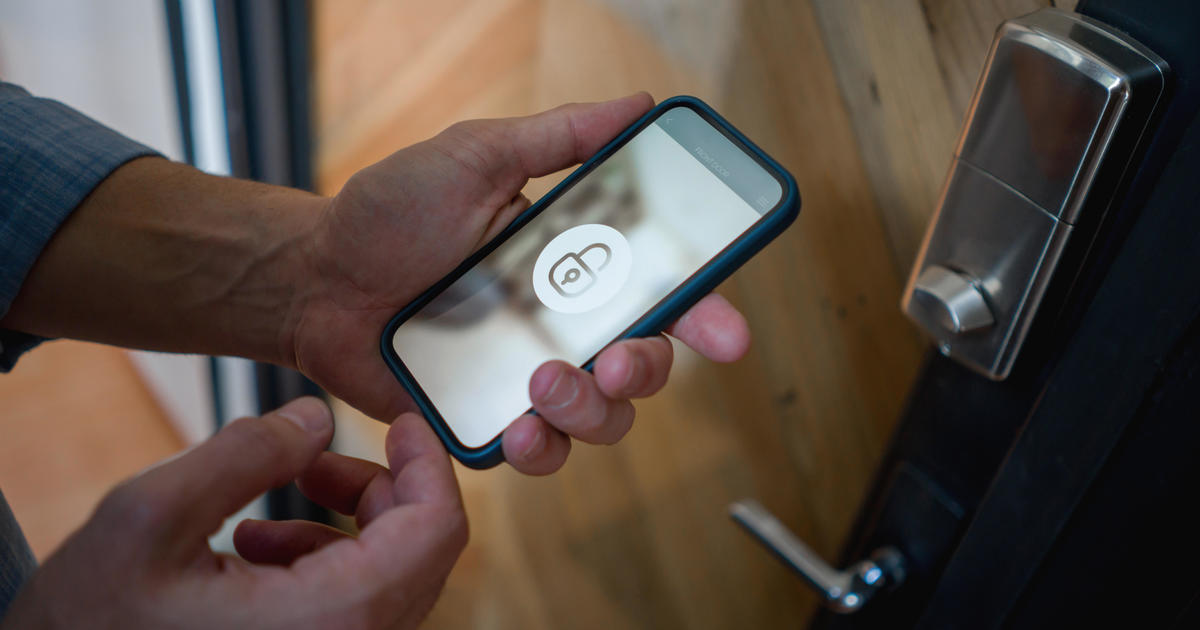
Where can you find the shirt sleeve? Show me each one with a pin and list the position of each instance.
(51, 157)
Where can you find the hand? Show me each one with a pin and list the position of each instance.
(400, 225)
(162, 257)
(142, 560)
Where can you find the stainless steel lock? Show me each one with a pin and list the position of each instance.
(1062, 106)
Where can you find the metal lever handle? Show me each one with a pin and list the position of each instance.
(844, 591)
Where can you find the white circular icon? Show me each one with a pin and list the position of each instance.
(582, 268)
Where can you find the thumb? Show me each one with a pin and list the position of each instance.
(510, 150)
(569, 134)
(185, 500)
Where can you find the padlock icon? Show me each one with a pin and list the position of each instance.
(576, 272)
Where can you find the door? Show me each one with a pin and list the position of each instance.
(862, 101)
(1062, 496)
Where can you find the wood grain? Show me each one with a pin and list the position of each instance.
(961, 33)
(905, 135)
(907, 70)
(76, 420)
(861, 101)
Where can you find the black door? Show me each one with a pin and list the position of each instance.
(1063, 496)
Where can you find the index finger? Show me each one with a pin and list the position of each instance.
(420, 465)
(714, 328)
(416, 528)
(420, 473)
(424, 534)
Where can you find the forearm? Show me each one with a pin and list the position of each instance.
(161, 256)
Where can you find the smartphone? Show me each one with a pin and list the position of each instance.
(621, 248)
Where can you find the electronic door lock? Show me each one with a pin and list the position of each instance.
(1062, 108)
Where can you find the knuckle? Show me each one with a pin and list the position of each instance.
(592, 422)
(666, 349)
(620, 420)
(655, 356)
(456, 530)
(133, 506)
(261, 438)
(461, 127)
(466, 130)
(116, 504)
(476, 146)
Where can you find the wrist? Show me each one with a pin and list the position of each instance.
(163, 257)
(290, 274)
(240, 256)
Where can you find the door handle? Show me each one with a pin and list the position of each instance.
(844, 591)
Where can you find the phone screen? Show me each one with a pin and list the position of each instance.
(583, 271)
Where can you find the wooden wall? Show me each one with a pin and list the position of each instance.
(862, 101)
(75, 420)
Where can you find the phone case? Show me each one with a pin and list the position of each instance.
(654, 321)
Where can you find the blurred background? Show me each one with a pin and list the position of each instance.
(861, 100)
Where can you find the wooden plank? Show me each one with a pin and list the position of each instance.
(961, 33)
(905, 127)
(861, 100)
(77, 420)
(428, 65)
(636, 535)
(907, 70)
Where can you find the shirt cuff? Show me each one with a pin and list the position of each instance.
(51, 158)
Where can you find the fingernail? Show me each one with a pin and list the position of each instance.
(535, 446)
(562, 391)
(309, 413)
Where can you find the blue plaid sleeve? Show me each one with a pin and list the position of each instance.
(51, 157)
(16, 559)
